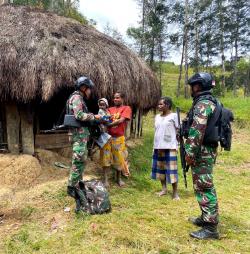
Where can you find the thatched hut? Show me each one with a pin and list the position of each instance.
(41, 54)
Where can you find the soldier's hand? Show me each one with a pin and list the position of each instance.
(90, 116)
(190, 160)
(98, 117)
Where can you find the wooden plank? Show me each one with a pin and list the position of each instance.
(27, 133)
(13, 127)
(128, 129)
(51, 141)
(140, 122)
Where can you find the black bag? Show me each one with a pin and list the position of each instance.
(94, 197)
(225, 129)
(219, 128)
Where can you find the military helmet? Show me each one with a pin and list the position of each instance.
(84, 81)
(203, 78)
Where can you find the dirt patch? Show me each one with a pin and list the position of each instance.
(18, 171)
(34, 188)
(24, 171)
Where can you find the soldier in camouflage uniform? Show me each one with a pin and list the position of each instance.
(201, 157)
(79, 136)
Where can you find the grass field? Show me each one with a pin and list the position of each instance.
(142, 222)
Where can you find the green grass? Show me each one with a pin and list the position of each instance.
(240, 106)
(140, 221)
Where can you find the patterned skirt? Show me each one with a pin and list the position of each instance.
(115, 153)
(164, 165)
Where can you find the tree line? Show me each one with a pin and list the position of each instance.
(203, 30)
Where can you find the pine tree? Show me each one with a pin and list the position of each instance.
(239, 27)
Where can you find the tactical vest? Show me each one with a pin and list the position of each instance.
(70, 111)
(211, 137)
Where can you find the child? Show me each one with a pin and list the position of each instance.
(105, 117)
(164, 166)
(104, 113)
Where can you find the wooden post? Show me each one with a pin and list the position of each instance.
(27, 133)
(13, 127)
(140, 123)
(132, 125)
(128, 130)
(135, 120)
(137, 123)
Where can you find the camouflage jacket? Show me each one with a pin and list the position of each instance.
(77, 107)
(202, 111)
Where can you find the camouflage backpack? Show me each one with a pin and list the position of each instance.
(94, 197)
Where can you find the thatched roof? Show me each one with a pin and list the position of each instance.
(41, 53)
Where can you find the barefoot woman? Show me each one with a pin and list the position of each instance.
(164, 166)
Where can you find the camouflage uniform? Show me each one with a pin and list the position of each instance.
(79, 137)
(204, 157)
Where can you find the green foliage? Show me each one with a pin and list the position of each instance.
(150, 36)
(61, 7)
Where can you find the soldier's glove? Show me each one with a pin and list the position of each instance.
(190, 160)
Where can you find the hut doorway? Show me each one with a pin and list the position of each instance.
(48, 115)
(3, 131)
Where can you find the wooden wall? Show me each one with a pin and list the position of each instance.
(19, 128)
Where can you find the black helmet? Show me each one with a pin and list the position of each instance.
(203, 78)
(84, 81)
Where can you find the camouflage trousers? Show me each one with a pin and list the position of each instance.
(79, 154)
(204, 189)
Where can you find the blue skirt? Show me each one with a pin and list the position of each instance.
(164, 165)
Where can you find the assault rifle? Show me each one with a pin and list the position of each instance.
(184, 165)
(55, 128)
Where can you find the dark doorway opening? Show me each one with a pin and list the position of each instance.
(51, 113)
(3, 131)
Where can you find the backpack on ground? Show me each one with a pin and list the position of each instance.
(94, 197)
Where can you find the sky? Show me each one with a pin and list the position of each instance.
(119, 14)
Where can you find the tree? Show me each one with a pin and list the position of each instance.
(114, 33)
(243, 77)
(239, 27)
(149, 37)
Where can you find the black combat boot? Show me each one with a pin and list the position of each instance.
(208, 231)
(78, 205)
(197, 221)
(72, 193)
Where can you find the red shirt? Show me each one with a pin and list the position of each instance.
(116, 113)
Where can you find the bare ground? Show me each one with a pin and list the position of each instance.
(29, 183)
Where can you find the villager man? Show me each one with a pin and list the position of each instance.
(115, 152)
(76, 106)
(201, 154)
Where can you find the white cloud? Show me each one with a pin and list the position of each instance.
(118, 13)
